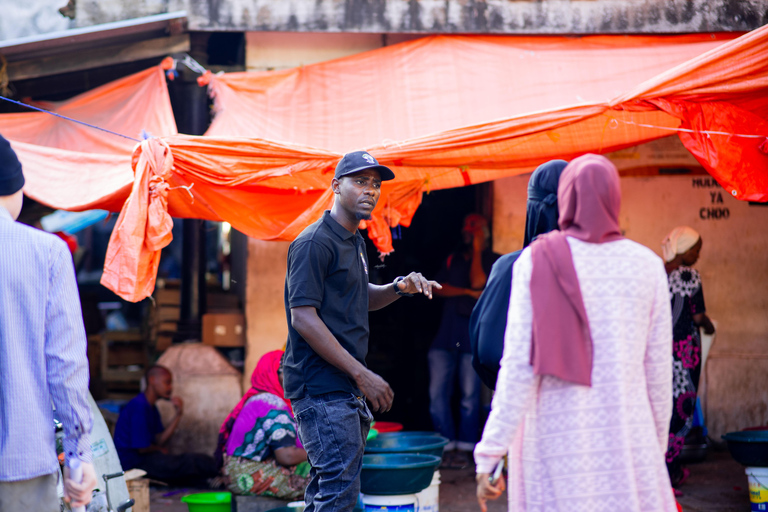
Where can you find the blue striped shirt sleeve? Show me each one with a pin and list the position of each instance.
(67, 366)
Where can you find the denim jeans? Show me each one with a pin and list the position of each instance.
(444, 367)
(333, 428)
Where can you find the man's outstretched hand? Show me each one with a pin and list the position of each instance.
(417, 283)
(376, 390)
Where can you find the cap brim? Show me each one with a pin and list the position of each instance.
(385, 172)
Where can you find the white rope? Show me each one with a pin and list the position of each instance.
(688, 130)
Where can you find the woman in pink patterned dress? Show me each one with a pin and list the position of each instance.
(681, 250)
(258, 445)
(583, 402)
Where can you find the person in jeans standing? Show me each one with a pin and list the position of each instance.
(327, 299)
(463, 275)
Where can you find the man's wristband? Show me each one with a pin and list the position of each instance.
(397, 288)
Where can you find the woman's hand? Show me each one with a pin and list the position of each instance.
(487, 491)
(703, 321)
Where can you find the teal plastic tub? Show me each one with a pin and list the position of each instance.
(424, 445)
(410, 433)
(392, 474)
(749, 447)
(208, 502)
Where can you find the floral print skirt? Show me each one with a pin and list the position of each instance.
(686, 370)
(266, 478)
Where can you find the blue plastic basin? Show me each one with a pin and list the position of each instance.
(391, 474)
(749, 447)
(425, 445)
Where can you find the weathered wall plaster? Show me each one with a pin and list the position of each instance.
(479, 16)
(31, 18)
(264, 307)
(446, 16)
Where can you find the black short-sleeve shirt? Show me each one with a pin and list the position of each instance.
(328, 270)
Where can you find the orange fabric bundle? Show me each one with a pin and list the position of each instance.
(143, 224)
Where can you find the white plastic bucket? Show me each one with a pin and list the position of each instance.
(758, 488)
(429, 498)
(399, 503)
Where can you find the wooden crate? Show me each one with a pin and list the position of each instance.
(138, 490)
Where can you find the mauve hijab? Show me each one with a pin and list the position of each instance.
(589, 199)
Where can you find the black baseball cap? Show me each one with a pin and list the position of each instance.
(357, 161)
(11, 177)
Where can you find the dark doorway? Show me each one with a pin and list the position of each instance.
(401, 334)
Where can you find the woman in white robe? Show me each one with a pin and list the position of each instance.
(597, 445)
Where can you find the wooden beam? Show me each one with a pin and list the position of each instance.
(97, 57)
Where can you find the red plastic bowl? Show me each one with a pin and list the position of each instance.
(388, 426)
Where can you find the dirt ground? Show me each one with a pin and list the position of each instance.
(718, 484)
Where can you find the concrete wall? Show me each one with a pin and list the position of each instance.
(31, 18)
(281, 50)
(264, 308)
(445, 16)
(478, 16)
(733, 266)
(94, 12)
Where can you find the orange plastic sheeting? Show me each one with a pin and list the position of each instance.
(272, 190)
(74, 180)
(54, 150)
(439, 83)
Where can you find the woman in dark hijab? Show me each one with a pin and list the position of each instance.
(489, 317)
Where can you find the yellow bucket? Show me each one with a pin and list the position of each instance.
(758, 488)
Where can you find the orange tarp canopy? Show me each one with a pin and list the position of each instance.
(74, 167)
(442, 112)
(439, 83)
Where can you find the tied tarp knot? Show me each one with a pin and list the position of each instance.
(144, 226)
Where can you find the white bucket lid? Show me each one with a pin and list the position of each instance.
(757, 471)
(400, 499)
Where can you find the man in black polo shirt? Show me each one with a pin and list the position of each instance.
(327, 299)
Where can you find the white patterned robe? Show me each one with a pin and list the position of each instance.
(590, 449)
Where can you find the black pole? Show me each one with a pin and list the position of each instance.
(189, 314)
(190, 108)
(202, 268)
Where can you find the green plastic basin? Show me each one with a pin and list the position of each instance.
(208, 502)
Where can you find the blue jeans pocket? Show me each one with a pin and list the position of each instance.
(366, 415)
(309, 433)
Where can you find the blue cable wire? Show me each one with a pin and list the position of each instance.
(67, 118)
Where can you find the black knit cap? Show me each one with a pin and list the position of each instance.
(11, 177)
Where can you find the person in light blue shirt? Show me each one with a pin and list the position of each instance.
(42, 359)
